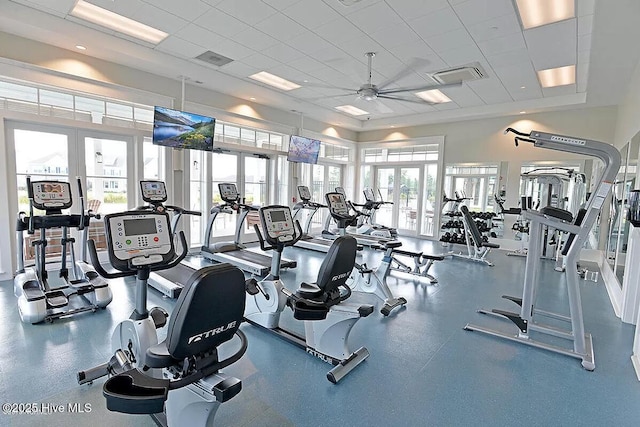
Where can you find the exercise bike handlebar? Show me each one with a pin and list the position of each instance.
(114, 274)
(296, 237)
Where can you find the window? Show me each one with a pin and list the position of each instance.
(477, 182)
(410, 153)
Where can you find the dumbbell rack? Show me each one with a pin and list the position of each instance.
(453, 228)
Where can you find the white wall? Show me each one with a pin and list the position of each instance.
(628, 123)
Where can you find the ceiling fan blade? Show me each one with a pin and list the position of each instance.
(329, 96)
(399, 98)
(414, 64)
(321, 85)
(419, 88)
(378, 106)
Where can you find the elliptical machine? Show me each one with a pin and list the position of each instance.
(38, 299)
(328, 320)
(365, 279)
(183, 370)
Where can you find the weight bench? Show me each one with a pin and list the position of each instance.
(477, 248)
(421, 262)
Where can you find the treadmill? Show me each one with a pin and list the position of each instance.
(171, 281)
(307, 241)
(366, 240)
(235, 253)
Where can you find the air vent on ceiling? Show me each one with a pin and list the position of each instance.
(214, 58)
(459, 74)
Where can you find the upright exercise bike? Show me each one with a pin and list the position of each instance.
(363, 278)
(183, 370)
(328, 320)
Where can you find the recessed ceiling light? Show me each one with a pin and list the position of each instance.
(392, 126)
(252, 98)
(534, 13)
(350, 109)
(306, 81)
(523, 87)
(434, 96)
(80, 47)
(522, 112)
(273, 80)
(106, 18)
(557, 76)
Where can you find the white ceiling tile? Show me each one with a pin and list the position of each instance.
(260, 61)
(310, 14)
(234, 50)
(450, 40)
(435, 23)
(474, 11)
(529, 92)
(213, 2)
(58, 8)
(495, 27)
(338, 30)
(510, 58)
(329, 55)
(559, 90)
(585, 25)
(281, 27)
(582, 77)
(254, 39)
(357, 47)
(463, 96)
(185, 9)
(158, 18)
(585, 7)
(124, 8)
(248, 11)
(515, 76)
(553, 45)
(282, 53)
(584, 42)
(462, 55)
(287, 72)
(412, 9)
(446, 106)
(305, 92)
(221, 23)
(490, 91)
(346, 10)
(502, 44)
(240, 69)
(416, 49)
(305, 64)
(309, 43)
(400, 35)
(179, 47)
(375, 17)
(200, 36)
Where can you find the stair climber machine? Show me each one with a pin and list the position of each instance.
(307, 241)
(235, 253)
(363, 278)
(177, 381)
(369, 240)
(578, 229)
(38, 297)
(327, 318)
(170, 281)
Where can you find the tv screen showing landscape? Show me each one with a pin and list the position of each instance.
(303, 150)
(179, 129)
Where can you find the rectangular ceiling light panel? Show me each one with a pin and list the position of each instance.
(350, 109)
(534, 13)
(273, 80)
(113, 21)
(434, 96)
(560, 76)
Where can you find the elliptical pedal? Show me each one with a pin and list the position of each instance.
(56, 299)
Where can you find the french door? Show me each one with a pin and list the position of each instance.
(402, 186)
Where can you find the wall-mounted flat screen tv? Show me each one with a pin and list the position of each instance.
(303, 150)
(179, 129)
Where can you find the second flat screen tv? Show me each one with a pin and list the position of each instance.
(303, 150)
(179, 129)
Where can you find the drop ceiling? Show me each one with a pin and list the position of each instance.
(321, 44)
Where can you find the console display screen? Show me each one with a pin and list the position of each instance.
(136, 227)
(278, 216)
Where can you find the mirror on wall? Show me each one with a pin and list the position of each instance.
(618, 226)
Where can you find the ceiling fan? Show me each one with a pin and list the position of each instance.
(371, 93)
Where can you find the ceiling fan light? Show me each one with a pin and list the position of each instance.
(433, 95)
